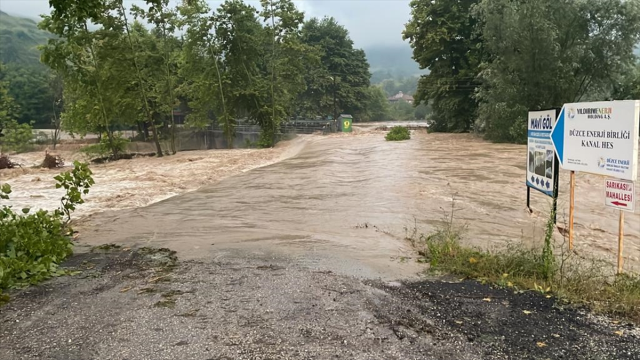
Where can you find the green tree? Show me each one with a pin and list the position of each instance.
(7, 105)
(134, 56)
(240, 38)
(389, 86)
(422, 111)
(343, 70)
(285, 62)
(376, 107)
(546, 53)
(29, 87)
(73, 54)
(13, 136)
(402, 110)
(160, 52)
(56, 87)
(200, 66)
(628, 85)
(442, 35)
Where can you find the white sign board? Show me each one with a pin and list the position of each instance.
(619, 194)
(599, 138)
(541, 167)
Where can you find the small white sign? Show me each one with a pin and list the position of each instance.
(541, 167)
(599, 138)
(619, 194)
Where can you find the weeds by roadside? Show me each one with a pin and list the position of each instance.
(576, 280)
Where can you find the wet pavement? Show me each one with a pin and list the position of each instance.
(128, 304)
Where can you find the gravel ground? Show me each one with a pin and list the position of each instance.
(144, 304)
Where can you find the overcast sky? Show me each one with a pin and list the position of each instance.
(370, 22)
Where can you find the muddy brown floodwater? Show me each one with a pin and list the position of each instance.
(343, 202)
(139, 182)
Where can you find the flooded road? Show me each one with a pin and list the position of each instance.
(343, 203)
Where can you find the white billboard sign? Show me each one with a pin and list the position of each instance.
(541, 164)
(599, 138)
(619, 194)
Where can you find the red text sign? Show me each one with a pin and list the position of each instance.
(619, 194)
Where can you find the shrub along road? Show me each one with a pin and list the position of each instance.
(145, 304)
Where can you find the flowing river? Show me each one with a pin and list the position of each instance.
(346, 203)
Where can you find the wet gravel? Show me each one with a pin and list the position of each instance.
(142, 305)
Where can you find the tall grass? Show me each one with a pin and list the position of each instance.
(584, 281)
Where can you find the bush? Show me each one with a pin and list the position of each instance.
(398, 133)
(32, 245)
(107, 148)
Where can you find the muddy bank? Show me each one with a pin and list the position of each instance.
(137, 182)
(127, 304)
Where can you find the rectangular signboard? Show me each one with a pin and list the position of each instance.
(541, 161)
(619, 194)
(599, 138)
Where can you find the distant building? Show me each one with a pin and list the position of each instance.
(400, 97)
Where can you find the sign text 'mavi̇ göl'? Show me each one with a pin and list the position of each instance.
(541, 164)
(599, 138)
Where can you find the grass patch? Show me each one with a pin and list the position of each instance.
(398, 133)
(572, 279)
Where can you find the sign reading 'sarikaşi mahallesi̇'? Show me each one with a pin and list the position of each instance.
(599, 138)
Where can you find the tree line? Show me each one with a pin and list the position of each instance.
(491, 61)
(122, 67)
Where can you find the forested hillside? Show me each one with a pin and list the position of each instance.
(392, 61)
(27, 79)
(19, 39)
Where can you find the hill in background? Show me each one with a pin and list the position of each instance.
(19, 39)
(392, 61)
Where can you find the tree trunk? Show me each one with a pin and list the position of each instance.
(225, 116)
(105, 117)
(170, 89)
